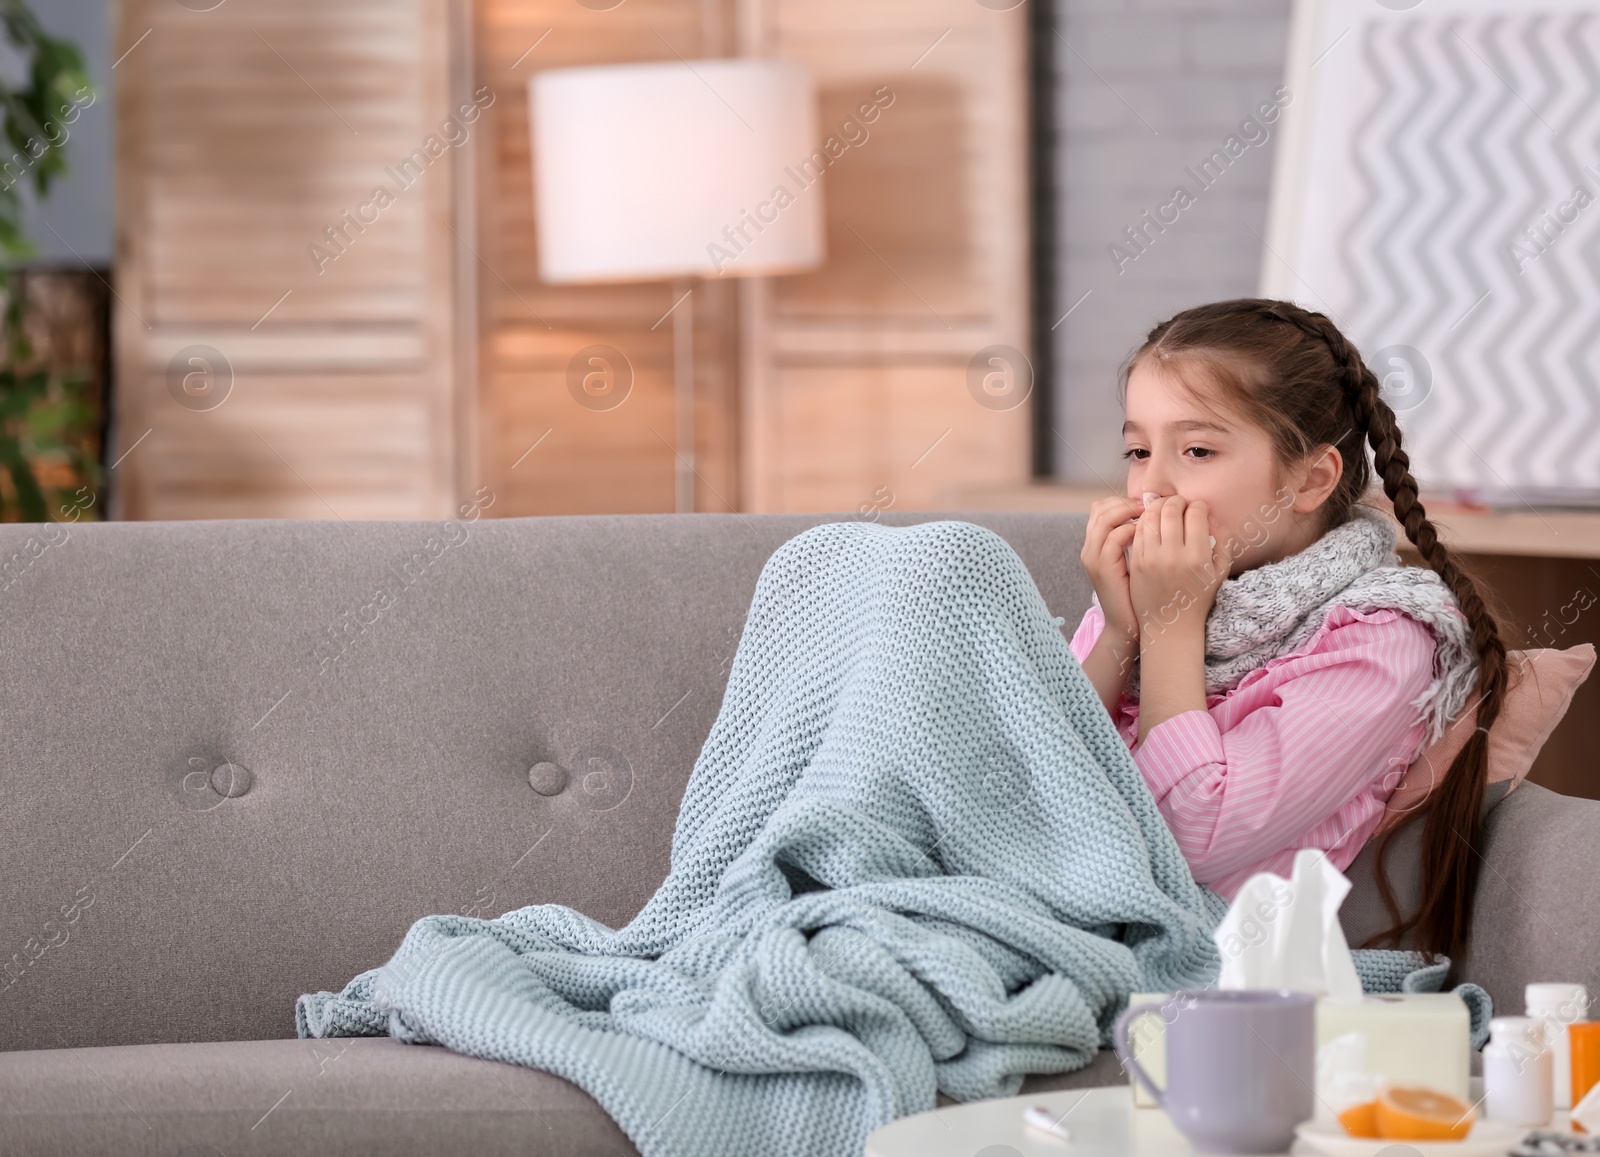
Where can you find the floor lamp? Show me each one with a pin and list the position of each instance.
(676, 170)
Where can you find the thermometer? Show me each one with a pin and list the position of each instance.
(1045, 1120)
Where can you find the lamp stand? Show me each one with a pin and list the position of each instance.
(683, 382)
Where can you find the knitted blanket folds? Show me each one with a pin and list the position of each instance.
(913, 855)
(1275, 608)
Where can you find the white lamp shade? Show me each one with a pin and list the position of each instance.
(668, 169)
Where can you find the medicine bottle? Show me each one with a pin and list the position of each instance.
(1517, 1073)
(1557, 1006)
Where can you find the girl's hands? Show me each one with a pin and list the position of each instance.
(1111, 531)
(1174, 567)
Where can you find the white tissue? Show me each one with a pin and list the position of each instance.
(1286, 934)
(1587, 1111)
(1150, 496)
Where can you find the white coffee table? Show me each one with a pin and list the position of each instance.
(1103, 1123)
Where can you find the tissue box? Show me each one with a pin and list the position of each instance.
(1421, 1038)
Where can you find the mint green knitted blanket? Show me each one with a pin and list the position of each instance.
(913, 855)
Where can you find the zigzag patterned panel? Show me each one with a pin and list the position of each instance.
(1443, 206)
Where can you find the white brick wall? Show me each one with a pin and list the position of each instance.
(1146, 89)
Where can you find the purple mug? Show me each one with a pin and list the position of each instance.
(1241, 1064)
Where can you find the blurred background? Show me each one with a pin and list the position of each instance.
(212, 195)
(366, 259)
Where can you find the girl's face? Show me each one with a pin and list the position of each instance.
(1175, 447)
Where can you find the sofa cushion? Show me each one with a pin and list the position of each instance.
(243, 756)
(1539, 687)
(337, 1098)
(1532, 919)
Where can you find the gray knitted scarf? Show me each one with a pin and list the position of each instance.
(1272, 609)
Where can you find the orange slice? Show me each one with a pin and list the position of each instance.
(1418, 1113)
(1361, 1120)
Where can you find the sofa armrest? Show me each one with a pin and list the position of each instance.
(1535, 918)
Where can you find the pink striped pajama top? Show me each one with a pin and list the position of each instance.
(1302, 753)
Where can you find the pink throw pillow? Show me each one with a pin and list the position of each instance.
(1539, 687)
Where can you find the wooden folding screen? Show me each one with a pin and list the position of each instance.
(871, 384)
(538, 448)
(286, 336)
(403, 359)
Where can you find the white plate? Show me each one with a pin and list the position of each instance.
(1486, 1139)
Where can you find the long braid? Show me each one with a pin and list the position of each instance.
(1453, 833)
(1305, 382)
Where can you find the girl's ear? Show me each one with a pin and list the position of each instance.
(1320, 478)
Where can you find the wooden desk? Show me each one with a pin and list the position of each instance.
(1530, 564)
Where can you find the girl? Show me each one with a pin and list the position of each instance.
(1291, 668)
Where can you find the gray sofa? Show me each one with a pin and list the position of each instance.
(234, 772)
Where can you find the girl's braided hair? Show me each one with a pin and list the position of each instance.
(1292, 372)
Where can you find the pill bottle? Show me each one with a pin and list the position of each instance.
(1517, 1075)
(1556, 1006)
(1584, 1037)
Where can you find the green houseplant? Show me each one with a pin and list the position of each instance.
(43, 412)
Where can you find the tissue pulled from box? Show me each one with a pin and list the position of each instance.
(1286, 933)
